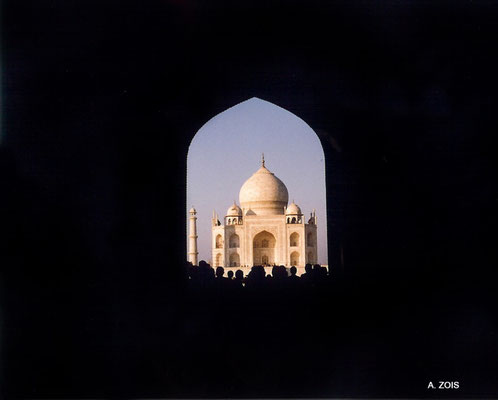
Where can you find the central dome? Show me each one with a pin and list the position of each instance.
(263, 193)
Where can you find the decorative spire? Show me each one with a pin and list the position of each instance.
(262, 159)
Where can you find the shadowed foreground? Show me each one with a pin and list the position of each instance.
(331, 336)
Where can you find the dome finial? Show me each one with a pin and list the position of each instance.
(262, 159)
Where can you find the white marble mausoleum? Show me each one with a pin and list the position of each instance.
(264, 229)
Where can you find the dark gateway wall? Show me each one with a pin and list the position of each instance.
(100, 100)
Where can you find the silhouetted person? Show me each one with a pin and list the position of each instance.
(279, 275)
(273, 278)
(220, 279)
(230, 283)
(279, 272)
(307, 276)
(220, 272)
(256, 277)
(206, 274)
(239, 278)
(293, 279)
(319, 273)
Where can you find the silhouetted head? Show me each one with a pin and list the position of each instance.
(220, 271)
(203, 264)
(280, 272)
(239, 274)
(230, 274)
(293, 270)
(318, 267)
(308, 268)
(257, 272)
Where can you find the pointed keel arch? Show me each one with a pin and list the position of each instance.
(226, 150)
(263, 249)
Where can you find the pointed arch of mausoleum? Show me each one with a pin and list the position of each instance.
(234, 260)
(219, 241)
(310, 240)
(263, 248)
(264, 239)
(234, 241)
(294, 239)
(294, 259)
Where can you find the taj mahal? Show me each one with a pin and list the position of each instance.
(263, 230)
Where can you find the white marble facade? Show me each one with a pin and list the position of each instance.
(264, 229)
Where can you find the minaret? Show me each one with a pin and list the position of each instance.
(192, 237)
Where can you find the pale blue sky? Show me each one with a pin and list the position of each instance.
(226, 151)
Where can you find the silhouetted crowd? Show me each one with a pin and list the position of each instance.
(205, 276)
